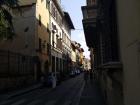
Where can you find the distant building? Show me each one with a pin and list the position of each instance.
(81, 50)
(87, 64)
(77, 55)
(73, 55)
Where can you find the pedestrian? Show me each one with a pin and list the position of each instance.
(53, 81)
(86, 76)
(43, 79)
(91, 75)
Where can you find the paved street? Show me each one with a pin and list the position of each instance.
(63, 94)
(70, 92)
(91, 95)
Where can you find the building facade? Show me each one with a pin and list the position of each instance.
(77, 56)
(43, 36)
(61, 26)
(111, 42)
(28, 52)
(42, 43)
(56, 16)
(66, 42)
(129, 40)
(102, 38)
(73, 55)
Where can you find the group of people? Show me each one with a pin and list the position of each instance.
(88, 74)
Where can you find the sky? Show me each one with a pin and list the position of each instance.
(73, 7)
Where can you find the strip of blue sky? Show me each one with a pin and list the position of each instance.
(74, 9)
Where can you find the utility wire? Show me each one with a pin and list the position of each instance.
(78, 29)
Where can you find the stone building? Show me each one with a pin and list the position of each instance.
(73, 55)
(42, 43)
(56, 17)
(128, 18)
(61, 25)
(77, 56)
(28, 52)
(113, 38)
(66, 42)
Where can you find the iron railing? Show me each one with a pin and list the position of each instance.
(15, 64)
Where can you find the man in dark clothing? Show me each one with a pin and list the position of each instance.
(86, 76)
(91, 75)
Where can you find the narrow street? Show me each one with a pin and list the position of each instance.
(64, 94)
(69, 52)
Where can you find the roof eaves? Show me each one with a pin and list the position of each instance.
(68, 19)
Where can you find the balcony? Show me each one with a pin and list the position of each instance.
(89, 24)
(89, 12)
(59, 44)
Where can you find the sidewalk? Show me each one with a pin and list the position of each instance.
(91, 95)
(25, 90)
(19, 92)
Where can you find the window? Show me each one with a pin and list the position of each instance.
(47, 3)
(48, 48)
(53, 63)
(47, 25)
(53, 10)
(59, 20)
(60, 35)
(53, 43)
(40, 41)
(54, 28)
(65, 37)
(39, 20)
(55, 14)
(48, 29)
(91, 2)
(91, 13)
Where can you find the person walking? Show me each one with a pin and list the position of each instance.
(53, 80)
(86, 76)
(91, 75)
